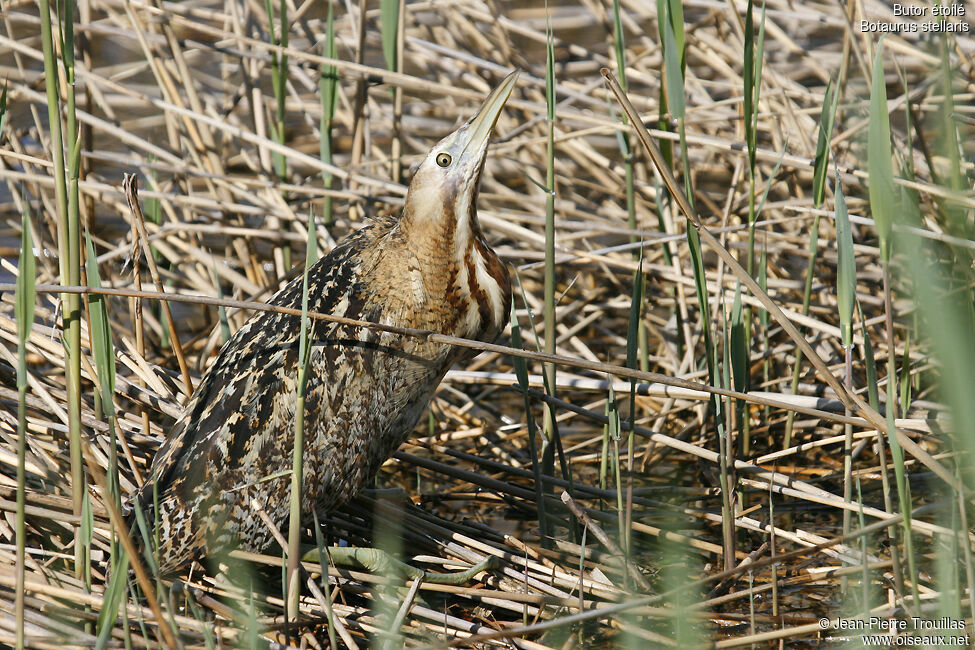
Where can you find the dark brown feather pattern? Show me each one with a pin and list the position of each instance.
(430, 269)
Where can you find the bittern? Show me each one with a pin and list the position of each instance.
(429, 268)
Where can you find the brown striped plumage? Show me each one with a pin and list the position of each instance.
(429, 269)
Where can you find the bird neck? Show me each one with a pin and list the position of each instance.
(458, 269)
(441, 234)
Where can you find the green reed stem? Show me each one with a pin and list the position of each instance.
(304, 356)
(629, 161)
(328, 91)
(24, 315)
(754, 55)
(883, 207)
(632, 350)
(549, 425)
(672, 31)
(664, 200)
(521, 372)
(846, 283)
(69, 263)
(279, 84)
(279, 79)
(820, 169)
(100, 330)
(323, 562)
(637, 343)
(391, 25)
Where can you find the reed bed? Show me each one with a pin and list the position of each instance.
(734, 405)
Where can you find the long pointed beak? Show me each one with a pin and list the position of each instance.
(480, 126)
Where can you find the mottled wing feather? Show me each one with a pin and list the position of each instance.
(187, 456)
(366, 389)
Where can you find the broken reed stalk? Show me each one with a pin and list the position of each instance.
(131, 191)
(592, 276)
(855, 401)
(435, 337)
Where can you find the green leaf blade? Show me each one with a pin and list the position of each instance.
(26, 279)
(101, 331)
(675, 77)
(846, 267)
(739, 344)
(822, 144)
(114, 593)
(879, 167)
(388, 25)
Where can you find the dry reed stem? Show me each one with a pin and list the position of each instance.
(180, 93)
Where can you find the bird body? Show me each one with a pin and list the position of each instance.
(430, 269)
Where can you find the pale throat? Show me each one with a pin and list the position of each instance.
(440, 225)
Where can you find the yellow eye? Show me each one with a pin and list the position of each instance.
(443, 159)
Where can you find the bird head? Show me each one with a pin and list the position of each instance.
(443, 192)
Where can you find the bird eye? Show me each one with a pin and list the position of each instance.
(443, 159)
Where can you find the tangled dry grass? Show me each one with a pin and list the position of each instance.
(665, 521)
